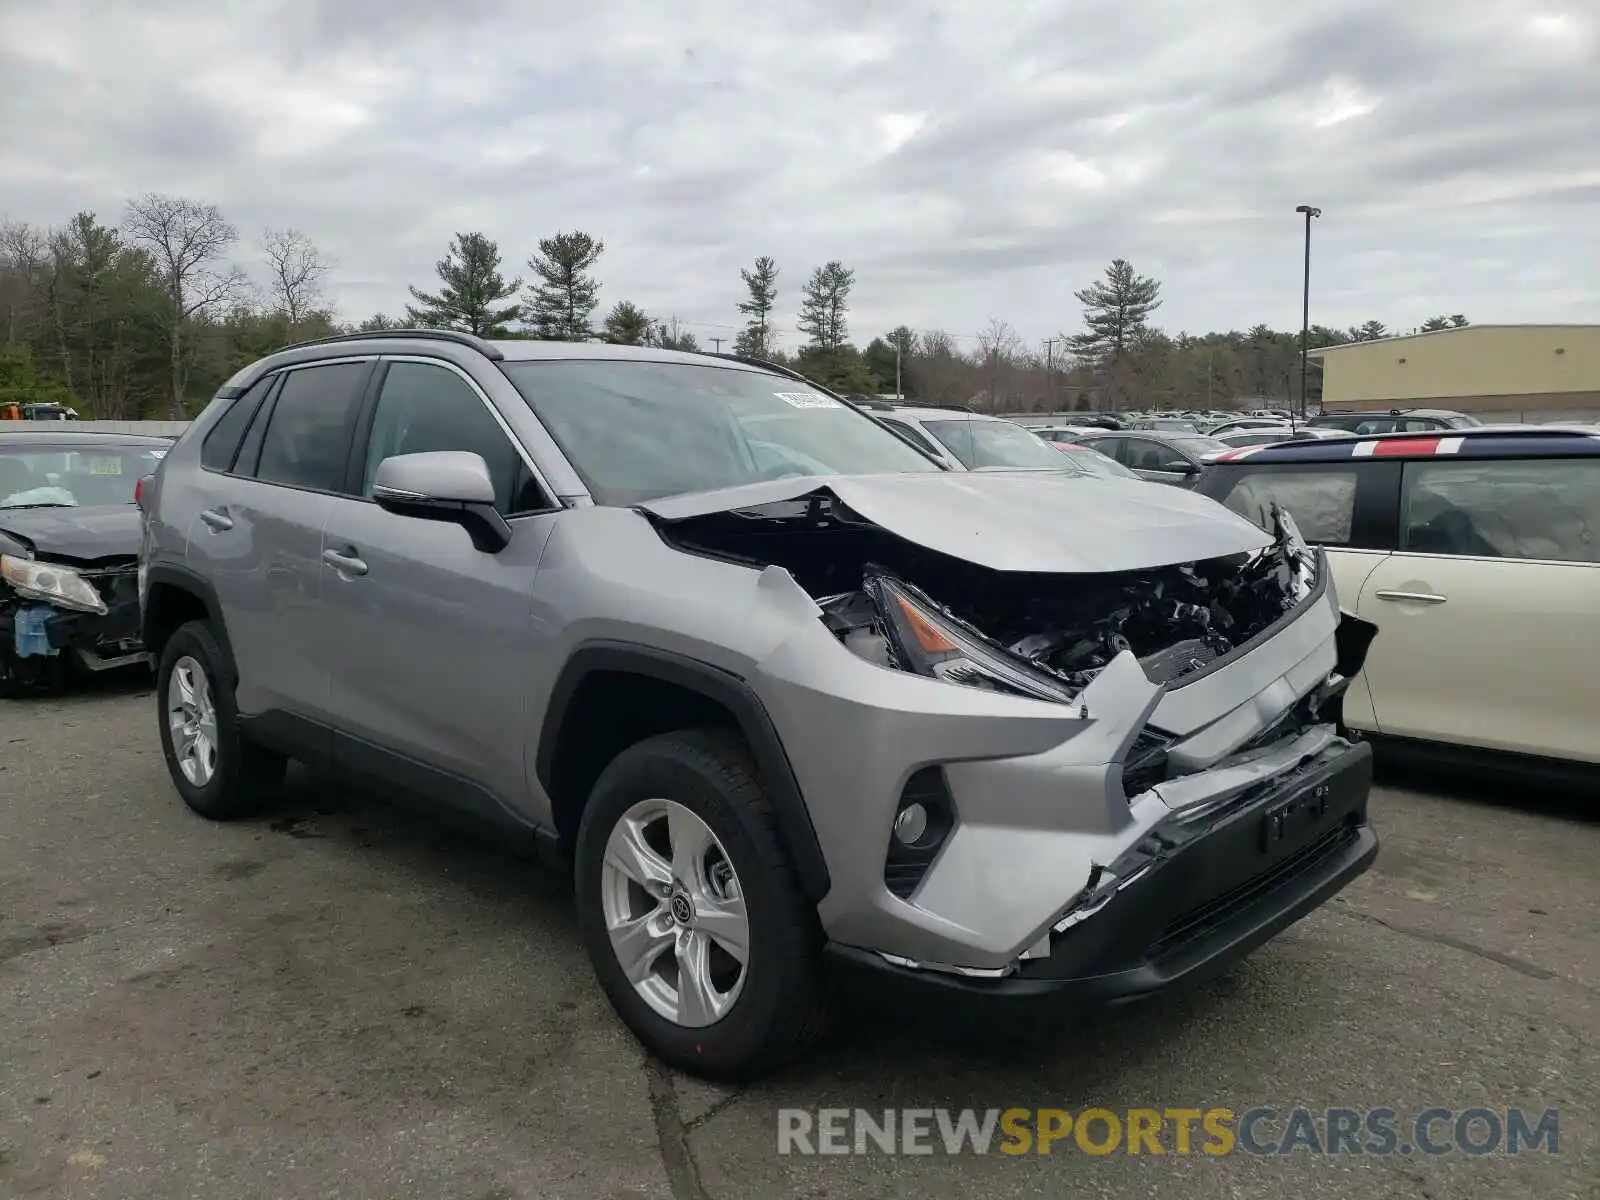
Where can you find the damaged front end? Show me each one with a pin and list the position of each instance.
(60, 613)
(1202, 790)
(1048, 638)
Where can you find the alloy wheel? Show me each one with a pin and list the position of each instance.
(192, 721)
(675, 913)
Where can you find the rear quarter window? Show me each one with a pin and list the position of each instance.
(1321, 500)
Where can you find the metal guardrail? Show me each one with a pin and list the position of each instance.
(147, 428)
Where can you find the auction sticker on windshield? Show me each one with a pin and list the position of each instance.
(807, 400)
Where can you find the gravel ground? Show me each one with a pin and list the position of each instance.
(349, 1000)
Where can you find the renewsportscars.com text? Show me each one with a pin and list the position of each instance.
(1208, 1131)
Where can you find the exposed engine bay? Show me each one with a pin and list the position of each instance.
(1038, 634)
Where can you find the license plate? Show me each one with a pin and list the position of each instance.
(1289, 821)
(105, 466)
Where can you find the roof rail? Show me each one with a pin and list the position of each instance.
(486, 348)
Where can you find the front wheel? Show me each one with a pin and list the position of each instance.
(218, 773)
(691, 911)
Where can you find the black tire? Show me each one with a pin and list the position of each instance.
(782, 1007)
(247, 778)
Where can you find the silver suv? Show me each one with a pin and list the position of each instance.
(793, 698)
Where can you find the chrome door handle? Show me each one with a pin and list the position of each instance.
(345, 564)
(217, 519)
(1414, 597)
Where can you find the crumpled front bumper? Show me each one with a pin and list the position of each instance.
(32, 629)
(1044, 821)
(1184, 903)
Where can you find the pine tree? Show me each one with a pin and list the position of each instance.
(1115, 311)
(566, 295)
(824, 305)
(473, 287)
(757, 340)
(627, 324)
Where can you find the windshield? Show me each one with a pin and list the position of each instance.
(981, 444)
(72, 476)
(638, 430)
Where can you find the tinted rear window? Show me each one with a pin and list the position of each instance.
(221, 447)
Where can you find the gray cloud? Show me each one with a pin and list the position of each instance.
(968, 162)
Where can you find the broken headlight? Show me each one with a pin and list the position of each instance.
(928, 641)
(61, 586)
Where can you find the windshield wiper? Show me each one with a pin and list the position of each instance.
(39, 504)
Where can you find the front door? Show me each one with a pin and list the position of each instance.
(1157, 462)
(427, 635)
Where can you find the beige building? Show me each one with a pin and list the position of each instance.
(1494, 372)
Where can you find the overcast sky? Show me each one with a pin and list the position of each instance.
(969, 159)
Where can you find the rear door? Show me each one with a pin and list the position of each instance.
(259, 537)
(1489, 608)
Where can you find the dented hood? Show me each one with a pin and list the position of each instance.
(1022, 521)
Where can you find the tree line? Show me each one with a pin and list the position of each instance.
(147, 317)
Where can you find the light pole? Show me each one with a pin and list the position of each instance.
(1305, 307)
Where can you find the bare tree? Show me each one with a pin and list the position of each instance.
(24, 266)
(187, 240)
(297, 269)
(1000, 345)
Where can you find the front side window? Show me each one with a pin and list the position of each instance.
(982, 444)
(637, 430)
(1322, 503)
(422, 407)
(307, 438)
(1532, 508)
(1144, 455)
(45, 476)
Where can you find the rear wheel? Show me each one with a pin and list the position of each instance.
(691, 911)
(217, 772)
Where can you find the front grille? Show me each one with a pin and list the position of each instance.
(1216, 911)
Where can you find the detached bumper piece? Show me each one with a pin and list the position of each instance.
(1194, 896)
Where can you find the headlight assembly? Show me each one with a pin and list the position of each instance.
(929, 642)
(52, 583)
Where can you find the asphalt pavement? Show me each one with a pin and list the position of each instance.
(345, 999)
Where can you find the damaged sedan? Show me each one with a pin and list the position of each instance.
(69, 544)
(791, 695)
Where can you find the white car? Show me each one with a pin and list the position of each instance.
(1477, 552)
(969, 441)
